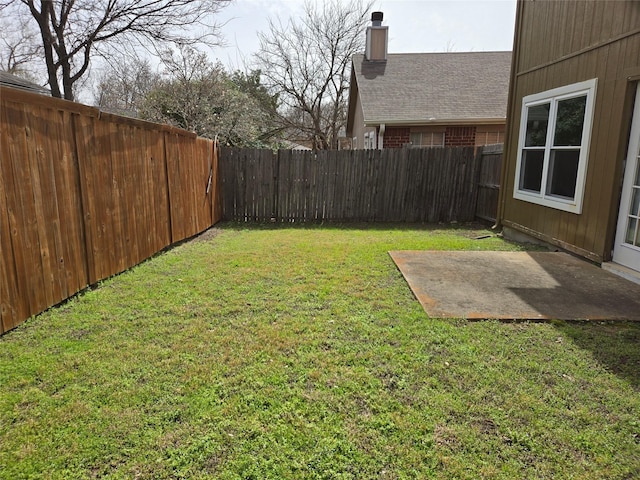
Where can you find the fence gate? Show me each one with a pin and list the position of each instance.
(489, 182)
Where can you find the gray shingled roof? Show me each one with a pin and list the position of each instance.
(412, 87)
(16, 82)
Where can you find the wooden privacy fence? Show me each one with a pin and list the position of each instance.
(394, 185)
(85, 195)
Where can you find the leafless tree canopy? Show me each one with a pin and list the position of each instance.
(123, 88)
(73, 31)
(19, 44)
(307, 64)
(202, 97)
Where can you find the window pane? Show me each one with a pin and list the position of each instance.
(637, 182)
(531, 170)
(635, 204)
(537, 121)
(563, 173)
(415, 139)
(631, 232)
(570, 121)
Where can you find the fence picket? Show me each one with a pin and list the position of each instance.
(394, 185)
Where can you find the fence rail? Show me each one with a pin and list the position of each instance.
(85, 195)
(394, 185)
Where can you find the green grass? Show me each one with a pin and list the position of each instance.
(274, 352)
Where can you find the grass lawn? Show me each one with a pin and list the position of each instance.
(275, 352)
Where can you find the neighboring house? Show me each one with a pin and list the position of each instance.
(571, 174)
(425, 99)
(288, 145)
(10, 80)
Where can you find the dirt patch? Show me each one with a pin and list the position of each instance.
(207, 235)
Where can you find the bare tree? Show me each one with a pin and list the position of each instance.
(19, 47)
(124, 86)
(202, 97)
(72, 32)
(307, 63)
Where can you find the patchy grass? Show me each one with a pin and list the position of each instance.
(274, 352)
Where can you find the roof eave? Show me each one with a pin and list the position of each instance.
(434, 122)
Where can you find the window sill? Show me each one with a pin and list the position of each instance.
(567, 205)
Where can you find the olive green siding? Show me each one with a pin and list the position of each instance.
(558, 44)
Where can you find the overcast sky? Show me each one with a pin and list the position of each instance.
(414, 25)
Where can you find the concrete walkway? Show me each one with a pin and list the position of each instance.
(516, 286)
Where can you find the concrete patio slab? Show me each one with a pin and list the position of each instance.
(516, 286)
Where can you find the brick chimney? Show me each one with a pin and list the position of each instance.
(377, 39)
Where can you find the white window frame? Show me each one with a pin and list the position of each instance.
(369, 140)
(552, 97)
(429, 135)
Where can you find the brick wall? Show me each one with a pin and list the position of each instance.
(396, 137)
(460, 137)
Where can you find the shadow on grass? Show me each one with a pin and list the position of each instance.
(615, 345)
(355, 225)
(472, 227)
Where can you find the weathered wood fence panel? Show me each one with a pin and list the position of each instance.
(394, 185)
(489, 182)
(85, 195)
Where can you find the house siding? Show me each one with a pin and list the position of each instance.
(555, 45)
(358, 131)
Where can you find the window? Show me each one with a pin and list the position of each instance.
(426, 139)
(555, 132)
(370, 140)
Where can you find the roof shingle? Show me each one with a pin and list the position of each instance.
(430, 87)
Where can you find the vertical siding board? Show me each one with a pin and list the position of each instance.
(594, 207)
(592, 14)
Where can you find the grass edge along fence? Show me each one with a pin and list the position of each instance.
(85, 195)
(393, 185)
